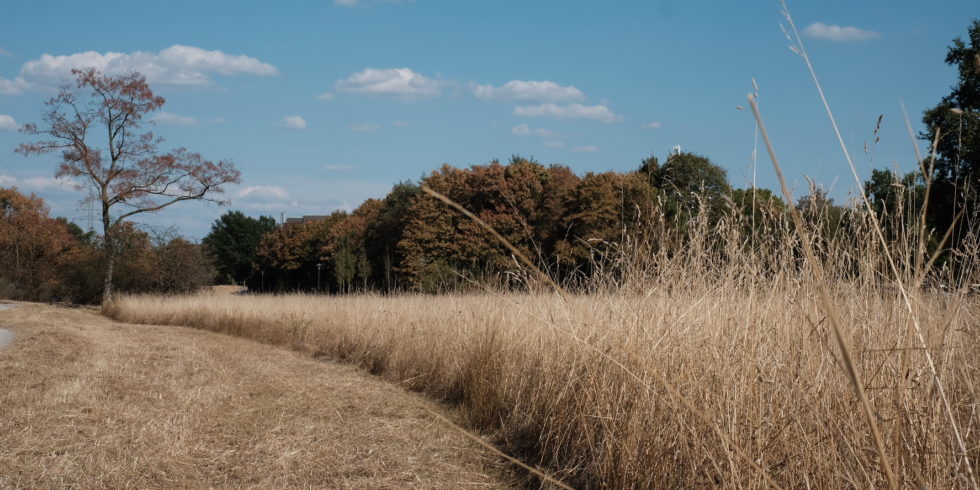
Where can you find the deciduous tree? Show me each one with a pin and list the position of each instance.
(34, 249)
(96, 126)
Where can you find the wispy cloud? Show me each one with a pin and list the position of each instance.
(176, 65)
(599, 113)
(264, 193)
(219, 120)
(365, 127)
(401, 124)
(326, 96)
(16, 86)
(586, 149)
(402, 83)
(174, 119)
(524, 130)
(7, 123)
(4, 52)
(528, 91)
(40, 184)
(339, 168)
(553, 144)
(819, 30)
(49, 184)
(293, 122)
(653, 125)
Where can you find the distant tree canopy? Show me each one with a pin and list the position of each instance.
(233, 240)
(571, 226)
(411, 241)
(34, 248)
(956, 121)
(50, 259)
(688, 182)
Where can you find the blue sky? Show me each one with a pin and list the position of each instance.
(324, 104)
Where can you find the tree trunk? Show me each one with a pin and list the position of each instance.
(110, 259)
(109, 242)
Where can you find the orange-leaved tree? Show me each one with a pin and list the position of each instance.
(97, 126)
(34, 249)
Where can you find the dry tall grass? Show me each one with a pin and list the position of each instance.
(589, 385)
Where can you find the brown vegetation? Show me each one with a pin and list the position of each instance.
(574, 386)
(48, 259)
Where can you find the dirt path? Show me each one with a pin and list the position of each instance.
(6, 336)
(87, 402)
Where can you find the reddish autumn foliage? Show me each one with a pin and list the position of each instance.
(34, 249)
(97, 127)
(570, 226)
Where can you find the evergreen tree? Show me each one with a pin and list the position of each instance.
(956, 181)
(232, 242)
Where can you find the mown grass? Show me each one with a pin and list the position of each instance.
(86, 402)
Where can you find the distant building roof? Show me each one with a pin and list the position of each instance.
(309, 218)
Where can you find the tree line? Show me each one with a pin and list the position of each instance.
(572, 226)
(53, 260)
(569, 225)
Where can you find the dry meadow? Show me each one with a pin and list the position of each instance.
(686, 383)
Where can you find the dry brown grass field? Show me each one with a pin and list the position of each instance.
(86, 402)
(675, 386)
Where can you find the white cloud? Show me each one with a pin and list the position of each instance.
(524, 130)
(176, 65)
(48, 184)
(819, 30)
(365, 127)
(554, 144)
(326, 96)
(4, 52)
(653, 125)
(529, 91)
(7, 180)
(293, 122)
(7, 123)
(339, 168)
(309, 196)
(174, 119)
(219, 120)
(586, 149)
(401, 124)
(599, 113)
(264, 193)
(399, 82)
(16, 86)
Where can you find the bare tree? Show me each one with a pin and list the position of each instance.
(96, 125)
